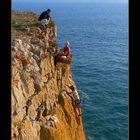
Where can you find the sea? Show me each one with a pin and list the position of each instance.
(98, 36)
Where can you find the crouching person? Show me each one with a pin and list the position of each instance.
(75, 96)
(45, 17)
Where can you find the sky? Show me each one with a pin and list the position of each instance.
(73, 1)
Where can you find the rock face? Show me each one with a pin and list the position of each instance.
(41, 110)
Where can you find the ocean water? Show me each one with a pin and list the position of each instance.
(98, 34)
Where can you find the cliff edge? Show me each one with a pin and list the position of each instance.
(40, 108)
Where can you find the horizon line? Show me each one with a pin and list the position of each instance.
(37, 2)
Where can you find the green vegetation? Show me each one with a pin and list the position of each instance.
(21, 20)
(17, 123)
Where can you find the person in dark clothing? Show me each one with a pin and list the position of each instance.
(45, 17)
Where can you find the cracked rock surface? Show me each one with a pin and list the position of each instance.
(40, 109)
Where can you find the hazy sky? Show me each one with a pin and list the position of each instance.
(66, 1)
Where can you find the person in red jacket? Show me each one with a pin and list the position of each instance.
(66, 51)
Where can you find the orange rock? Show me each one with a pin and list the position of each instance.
(50, 115)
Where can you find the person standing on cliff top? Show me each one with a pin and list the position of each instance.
(45, 17)
(76, 98)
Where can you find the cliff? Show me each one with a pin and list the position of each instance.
(40, 108)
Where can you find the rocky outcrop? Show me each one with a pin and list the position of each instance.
(41, 110)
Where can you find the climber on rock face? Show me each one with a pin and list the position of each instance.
(64, 53)
(45, 17)
(75, 96)
(66, 50)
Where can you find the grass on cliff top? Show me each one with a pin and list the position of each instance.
(21, 20)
